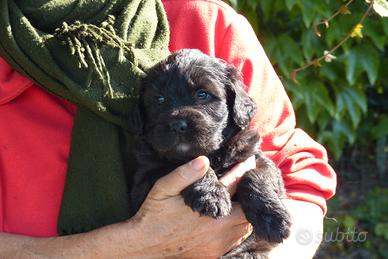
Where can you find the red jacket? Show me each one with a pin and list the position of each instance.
(35, 126)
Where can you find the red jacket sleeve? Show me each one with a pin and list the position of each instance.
(303, 162)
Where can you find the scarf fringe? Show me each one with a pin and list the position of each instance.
(85, 42)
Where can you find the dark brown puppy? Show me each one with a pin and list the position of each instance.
(191, 105)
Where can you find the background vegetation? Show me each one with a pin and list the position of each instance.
(341, 99)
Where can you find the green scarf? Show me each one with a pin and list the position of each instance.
(91, 52)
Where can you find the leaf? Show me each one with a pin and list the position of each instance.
(285, 52)
(252, 4)
(333, 72)
(352, 110)
(381, 128)
(355, 114)
(267, 7)
(335, 141)
(315, 97)
(353, 67)
(370, 62)
(307, 14)
(349, 222)
(290, 4)
(358, 97)
(374, 30)
(385, 25)
(324, 120)
(381, 229)
(321, 96)
(341, 127)
(381, 7)
(362, 58)
(323, 8)
(351, 101)
(311, 44)
(312, 106)
(322, 11)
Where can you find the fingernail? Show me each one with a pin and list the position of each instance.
(198, 163)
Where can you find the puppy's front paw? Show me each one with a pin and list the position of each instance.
(271, 224)
(211, 199)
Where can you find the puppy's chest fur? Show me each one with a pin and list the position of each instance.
(151, 166)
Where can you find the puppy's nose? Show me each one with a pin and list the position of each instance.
(178, 126)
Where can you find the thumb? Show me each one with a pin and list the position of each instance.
(173, 183)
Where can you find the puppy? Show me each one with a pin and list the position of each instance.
(190, 105)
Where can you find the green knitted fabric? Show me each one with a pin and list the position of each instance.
(91, 52)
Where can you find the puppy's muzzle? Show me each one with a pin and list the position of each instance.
(178, 126)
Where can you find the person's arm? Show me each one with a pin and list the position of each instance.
(308, 177)
(306, 231)
(163, 227)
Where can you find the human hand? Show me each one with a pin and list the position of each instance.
(166, 227)
(163, 227)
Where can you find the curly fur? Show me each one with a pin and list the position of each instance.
(190, 105)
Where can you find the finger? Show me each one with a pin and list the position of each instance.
(236, 216)
(173, 183)
(239, 234)
(231, 178)
(242, 231)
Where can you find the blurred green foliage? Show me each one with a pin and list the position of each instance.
(369, 217)
(342, 102)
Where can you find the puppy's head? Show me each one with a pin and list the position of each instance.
(188, 103)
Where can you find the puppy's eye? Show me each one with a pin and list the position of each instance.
(159, 99)
(202, 95)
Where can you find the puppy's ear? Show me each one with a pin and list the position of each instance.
(244, 107)
(135, 120)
